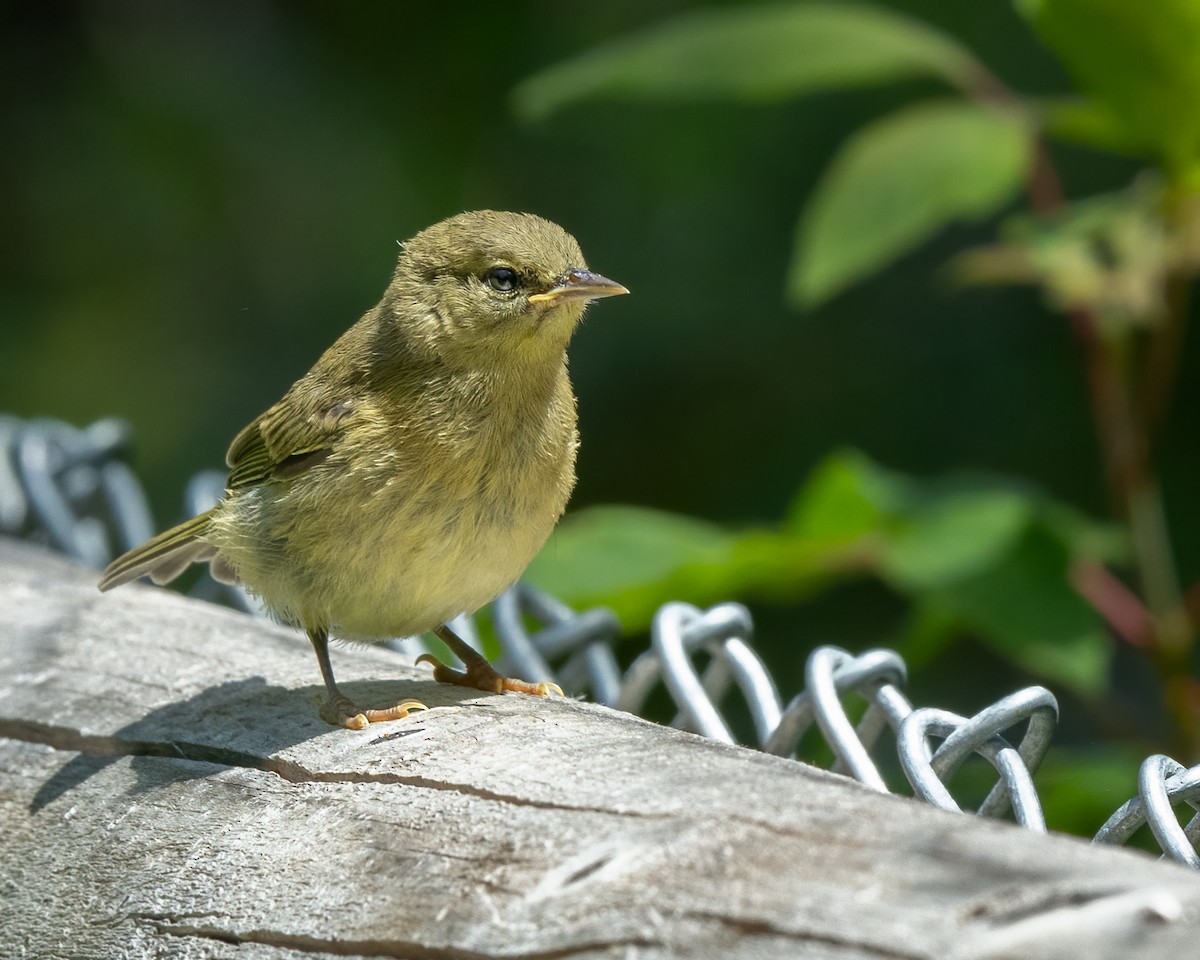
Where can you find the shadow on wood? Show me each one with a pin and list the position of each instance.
(168, 790)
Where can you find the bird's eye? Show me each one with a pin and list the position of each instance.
(502, 279)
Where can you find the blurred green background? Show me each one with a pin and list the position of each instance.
(198, 197)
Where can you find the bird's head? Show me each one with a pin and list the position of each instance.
(492, 284)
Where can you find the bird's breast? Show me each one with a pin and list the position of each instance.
(403, 532)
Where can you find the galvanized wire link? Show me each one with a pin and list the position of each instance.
(929, 770)
(583, 642)
(680, 630)
(71, 489)
(1162, 783)
(586, 641)
(876, 677)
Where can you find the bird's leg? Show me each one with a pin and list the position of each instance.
(479, 673)
(339, 709)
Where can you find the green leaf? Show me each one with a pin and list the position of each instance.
(757, 53)
(955, 537)
(918, 533)
(900, 179)
(633, 560)
(627, 558)
(1026, 609)
(844, 498)
(970, 552)
(766, 565)
(1091, 124)
(1141, 60)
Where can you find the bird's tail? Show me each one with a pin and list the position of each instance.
(165, 557)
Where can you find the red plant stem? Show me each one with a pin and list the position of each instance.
(1124, 429)
(1124, 611)
(1124, 432)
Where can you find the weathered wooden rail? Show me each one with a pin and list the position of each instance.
(167, 790)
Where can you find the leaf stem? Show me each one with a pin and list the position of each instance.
(1125, 428)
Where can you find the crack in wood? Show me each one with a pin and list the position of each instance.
(1000, 916)
(389, 949)
(746, 927)
(70, 739)
(75, 741)
(771, 858)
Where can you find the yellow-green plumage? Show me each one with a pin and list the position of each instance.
(416, 469)
(164, 557)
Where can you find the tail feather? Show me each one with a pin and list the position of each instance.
(164, 557)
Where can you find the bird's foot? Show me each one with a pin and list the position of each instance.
(341, 711)
(481, 675)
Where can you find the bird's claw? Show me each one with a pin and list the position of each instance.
(343, 712)
(481, 675)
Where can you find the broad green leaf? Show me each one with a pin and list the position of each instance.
(1026, 609)
(765, 52)
(774, 566)
(1140, 60)
(900, 179)
(845, 497)
(1091, 124)
(627, 558)
(954, 538)
(970, 552)
(634, 560)
(1088, 539)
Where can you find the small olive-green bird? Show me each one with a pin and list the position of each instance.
(414, 472)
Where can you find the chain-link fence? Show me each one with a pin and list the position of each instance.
(73, 490)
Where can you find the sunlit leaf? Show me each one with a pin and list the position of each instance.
(758, 53)
(900, 179)
(972, 553)
(845, 497)
(624, 558)
(1091, 124)
(954, 538)
(766, 565)
(1140, 60)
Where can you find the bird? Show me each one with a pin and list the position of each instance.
(415, 470)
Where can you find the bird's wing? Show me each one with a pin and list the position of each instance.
(295, 434)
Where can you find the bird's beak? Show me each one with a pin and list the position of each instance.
(578, 285)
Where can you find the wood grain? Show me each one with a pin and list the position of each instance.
(167, 790)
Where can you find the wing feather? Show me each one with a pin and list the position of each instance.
(291, 437)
